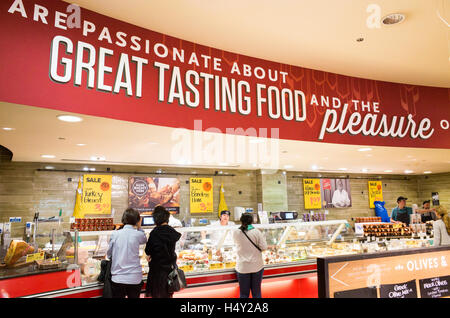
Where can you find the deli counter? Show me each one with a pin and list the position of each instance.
(206, 254)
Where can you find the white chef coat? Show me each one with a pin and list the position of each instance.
(340, 197)
(216, 235)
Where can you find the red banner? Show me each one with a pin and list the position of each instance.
(87, 63)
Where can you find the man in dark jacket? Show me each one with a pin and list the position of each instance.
(161, 250)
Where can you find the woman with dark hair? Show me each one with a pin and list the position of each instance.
(250, 243)
(161, 250)
(123, 251)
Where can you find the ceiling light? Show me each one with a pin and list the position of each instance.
(393, 18)
(81, 145)
(69, 118)
(365, 170)
(364, 149)
(427, 172)
(387, 170)
(98, 158)
(409, 171)
(343, 169)
(48, 156)
(314, 167)
(49, 167)
(8, 128)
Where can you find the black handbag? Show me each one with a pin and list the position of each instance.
(176, 280)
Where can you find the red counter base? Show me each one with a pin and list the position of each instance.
(301, 286)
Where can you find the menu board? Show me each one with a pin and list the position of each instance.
(145, 193)
(312, 194)
(436, 287)
(201, 195)
(402, 290)
(96, 197)
(375, 192)
(415, 273)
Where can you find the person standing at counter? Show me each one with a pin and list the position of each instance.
(401, 213)
(427, 214)
(123, 251)
(250, 243)
(441, 228)
(161, 251)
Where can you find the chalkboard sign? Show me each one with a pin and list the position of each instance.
(369, 292)
(400, 290)
(435, 287)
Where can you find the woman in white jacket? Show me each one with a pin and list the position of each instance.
(441, 228)
(250, 243)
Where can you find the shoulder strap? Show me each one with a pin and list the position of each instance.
(251, 241)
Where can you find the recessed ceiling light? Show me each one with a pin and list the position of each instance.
(365, 170)
(48, 156)
(49, 167)
(81, 145)
(343, 169)
(98, 158)
(409, 171)
(387, 170)
(8, 128)
(365, 149)
(393, 18)
(314, 167)
(69, 118)
(427, 172)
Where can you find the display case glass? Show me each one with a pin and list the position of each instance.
(46, 246)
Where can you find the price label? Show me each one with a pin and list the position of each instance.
(215, 266)
(35, 257)
(187, 268)
(230, 264)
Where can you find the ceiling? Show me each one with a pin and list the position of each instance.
(318, 34)
(37, 131)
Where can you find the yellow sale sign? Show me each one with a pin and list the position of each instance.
(312, 194)
(375, 192)
(96, 197)
(201, 195)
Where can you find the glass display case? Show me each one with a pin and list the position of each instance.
(34, 248)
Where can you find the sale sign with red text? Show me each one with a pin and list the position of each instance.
(312, 194)
(55, 55)
(96, 198)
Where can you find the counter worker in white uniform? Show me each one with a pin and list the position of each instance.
(216, 235)
(340, 196)
(250, 243)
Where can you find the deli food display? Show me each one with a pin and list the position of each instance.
(93, 224)
(387, 229)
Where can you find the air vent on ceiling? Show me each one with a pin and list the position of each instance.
(393, 18)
